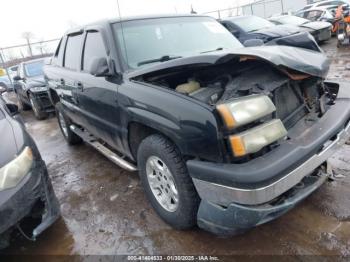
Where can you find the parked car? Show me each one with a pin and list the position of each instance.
(246, 28)
(321, 31)
(222, 136)
(6, 80)
(31, 88)
(325, 3)
(25, 188)
(324, 14)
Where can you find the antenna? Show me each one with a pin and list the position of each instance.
(121, 26)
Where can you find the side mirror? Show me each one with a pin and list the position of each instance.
(99, 66)
(17, 78)
(253, 42)
(13, 109)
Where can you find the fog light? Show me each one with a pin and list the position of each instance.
(255, 139)
(245, 110)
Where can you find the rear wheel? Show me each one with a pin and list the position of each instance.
(39, 114)
(64, 123)
(166, 182)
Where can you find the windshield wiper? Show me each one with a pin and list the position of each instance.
(217, 49)
(160, 59)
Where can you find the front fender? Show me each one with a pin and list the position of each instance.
(191, 126)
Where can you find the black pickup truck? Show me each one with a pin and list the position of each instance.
(223, 136)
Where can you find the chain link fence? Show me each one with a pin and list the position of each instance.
(13, 55)
(263, 8)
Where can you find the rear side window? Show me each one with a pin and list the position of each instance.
(94, 47)
(73, 51)
(58, 57)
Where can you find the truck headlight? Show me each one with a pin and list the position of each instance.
(245, 110)
(12, 173)
(255, 139)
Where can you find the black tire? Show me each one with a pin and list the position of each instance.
(38, 113)
(22, 106)
(185, 215)
(69, 135)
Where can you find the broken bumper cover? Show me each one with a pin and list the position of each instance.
(17, 203)
(43, 100)
(236, 218)
(240, 193)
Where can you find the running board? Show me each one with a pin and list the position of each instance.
(90, 139)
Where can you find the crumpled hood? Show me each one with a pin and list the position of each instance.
(317, 25)
(299, 59)
(278, 31)
(8, 147)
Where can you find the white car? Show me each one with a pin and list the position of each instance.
(325, 3)
(324, 13)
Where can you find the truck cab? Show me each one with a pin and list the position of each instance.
(223, 137)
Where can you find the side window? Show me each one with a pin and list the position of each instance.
(231, 28)
(94, 47)
(73, 51)
(58, 57)
(314, 15)
(305, 14)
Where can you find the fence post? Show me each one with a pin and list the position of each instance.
(251, 8)
(3, 65)
(219, 14)
(282, 6)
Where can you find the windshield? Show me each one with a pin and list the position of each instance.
(252, 23)
(293, 20)
(150, 41)
(34, 69)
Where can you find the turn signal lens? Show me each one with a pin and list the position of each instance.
(255, 139)
(245, 110)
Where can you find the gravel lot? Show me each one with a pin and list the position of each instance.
(104, 210)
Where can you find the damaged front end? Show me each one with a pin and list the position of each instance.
(292, 78)
(278, 121)
(30, 206)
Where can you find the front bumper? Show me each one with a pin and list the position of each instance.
(323, 35)
(224, 195)
(18, 202)
(235, 218)
(44, 102)
(239, 196)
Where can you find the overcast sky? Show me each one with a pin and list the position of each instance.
(48, 19)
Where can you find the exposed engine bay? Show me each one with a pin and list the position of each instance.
(294, 94)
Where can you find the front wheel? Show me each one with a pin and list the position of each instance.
(166, 182)
(65, 123)
(38, 113)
